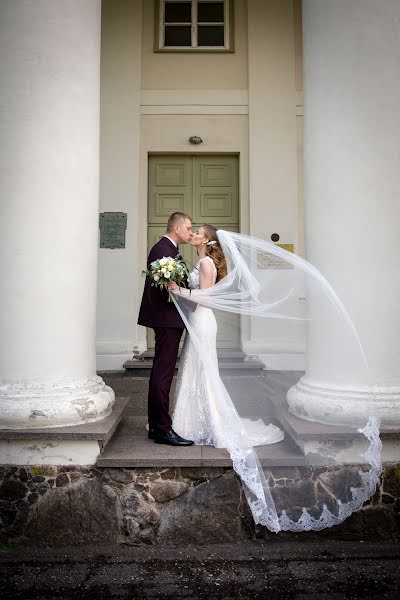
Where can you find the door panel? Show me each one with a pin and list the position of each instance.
(205, 187)
(216, 190)
(170, 187)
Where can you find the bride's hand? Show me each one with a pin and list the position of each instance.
(173, 287)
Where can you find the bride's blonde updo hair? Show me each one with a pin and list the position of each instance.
(214, 250)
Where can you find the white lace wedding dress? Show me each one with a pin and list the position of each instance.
(204, 411)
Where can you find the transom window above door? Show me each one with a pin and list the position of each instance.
(194, 25)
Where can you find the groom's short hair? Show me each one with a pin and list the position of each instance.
(176, 218)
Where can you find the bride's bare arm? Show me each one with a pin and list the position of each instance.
(206, 274)
(206, 268)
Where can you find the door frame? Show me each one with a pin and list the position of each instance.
(155, 140)
(191, 154)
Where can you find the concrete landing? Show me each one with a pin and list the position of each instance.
(130, 447)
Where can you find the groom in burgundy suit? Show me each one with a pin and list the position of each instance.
(163, 317)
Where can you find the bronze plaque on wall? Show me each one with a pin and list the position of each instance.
(112, 229)
(266, 260)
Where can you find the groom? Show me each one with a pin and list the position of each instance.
(163, 317)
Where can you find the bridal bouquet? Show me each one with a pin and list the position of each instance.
(166, 269)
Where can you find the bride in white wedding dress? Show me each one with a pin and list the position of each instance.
(199, 411)
(261, 284)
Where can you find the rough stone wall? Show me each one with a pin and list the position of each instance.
(69, 505)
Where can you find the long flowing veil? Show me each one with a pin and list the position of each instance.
(267, 296)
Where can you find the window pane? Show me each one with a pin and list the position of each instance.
(210, 12)
(210, 36)
(178, 12)
(178, 36)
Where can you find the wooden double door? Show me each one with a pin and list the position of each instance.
(204, 186)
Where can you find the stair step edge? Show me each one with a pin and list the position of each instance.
(240, 366)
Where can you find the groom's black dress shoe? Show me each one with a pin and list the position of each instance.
(170, 438)
(152, 433)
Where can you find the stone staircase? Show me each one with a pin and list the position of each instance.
(231, 362)
(120, 440)
(130, 447)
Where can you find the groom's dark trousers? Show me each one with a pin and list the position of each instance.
(162, 316)
(166, 351)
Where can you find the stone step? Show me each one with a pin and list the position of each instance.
(101, 430)
(262, 395)
(130, 447)
(301, 432)
(78, 444)
(312, 437)
(276, 385)
(142, 367)
(231, 361)
(223, 354)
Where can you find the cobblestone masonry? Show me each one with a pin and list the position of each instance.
(54, 506)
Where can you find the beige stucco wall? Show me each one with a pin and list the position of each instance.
(272, 120)
(185, 70)
(152, 102)
(119, 177)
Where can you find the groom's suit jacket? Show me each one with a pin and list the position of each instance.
(155, 310)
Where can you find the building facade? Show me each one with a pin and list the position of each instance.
(245, 103)
(100, 102)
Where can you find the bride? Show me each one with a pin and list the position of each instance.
(263, 283)
(198, 410)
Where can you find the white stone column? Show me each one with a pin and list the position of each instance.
(49, 155)
(352, 202)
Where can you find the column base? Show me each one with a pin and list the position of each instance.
(57, 403)
(351, 405)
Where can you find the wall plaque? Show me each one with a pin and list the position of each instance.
(112, 229)
(270, 261)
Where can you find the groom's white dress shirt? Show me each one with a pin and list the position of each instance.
(168, 238)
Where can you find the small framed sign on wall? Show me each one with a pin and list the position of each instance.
(112, 229)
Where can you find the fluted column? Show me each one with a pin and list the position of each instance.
(352, 203)
(49, 155)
